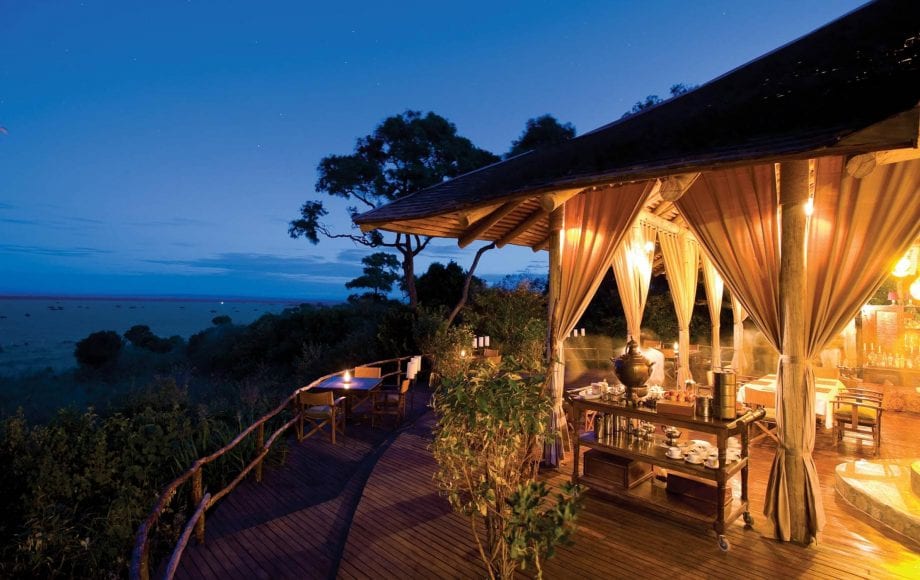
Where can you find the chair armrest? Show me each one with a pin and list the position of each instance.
(338, 401)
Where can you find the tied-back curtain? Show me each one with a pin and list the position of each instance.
(739, 360)
(732, 213)
(681, 255)
(594, 225)
(632, 267)
(715, 289)
(859, 229)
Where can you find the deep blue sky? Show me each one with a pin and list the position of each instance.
(162, 147)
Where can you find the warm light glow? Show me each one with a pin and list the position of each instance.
(915, 289)
(462, 353)
(810, 206)
(676, 346)
(346, 377)
(902, 268)
(649, 246)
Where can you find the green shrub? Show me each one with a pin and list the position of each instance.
(99, 349)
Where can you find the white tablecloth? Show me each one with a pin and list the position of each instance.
(825, 391)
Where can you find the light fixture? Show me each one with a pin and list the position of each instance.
(915, 289)
(649, 247)
(810, 206)
(462, 354)
(346, 377)
(902, 268)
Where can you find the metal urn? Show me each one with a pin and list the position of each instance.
(633, 370)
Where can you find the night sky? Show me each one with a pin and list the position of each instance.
(161, 148)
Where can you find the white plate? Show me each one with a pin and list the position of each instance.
(590, 397)
(700, 462)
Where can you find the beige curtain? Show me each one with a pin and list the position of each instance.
(594, 225)
(859, 229)
(739, 359)
(632, 267)
(715, 290)
(681, 255)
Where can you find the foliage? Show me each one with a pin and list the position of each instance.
(652, 100)
(487, 440)
(541, 132)
(379, 273)
(405, 153)
(99, 349)
(515, 321)
(221, 320)
(442, 286)
(141, 336)
(448, 346)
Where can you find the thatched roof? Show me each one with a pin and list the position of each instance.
(850, 87)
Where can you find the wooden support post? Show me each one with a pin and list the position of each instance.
(197, 495)
(795, 402)
(554, 352)
(260, 441)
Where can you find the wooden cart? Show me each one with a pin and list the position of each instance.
(645, 493)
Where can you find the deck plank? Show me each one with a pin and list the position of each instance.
(369, 508)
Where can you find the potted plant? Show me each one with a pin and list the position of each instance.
(490, 423)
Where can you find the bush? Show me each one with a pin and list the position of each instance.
(487, 445)
(99, 349)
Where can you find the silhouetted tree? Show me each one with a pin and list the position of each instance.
(221, 320)
(141, 336)
(541, 132)
(380, 272)
(405, 153)
(99, 349)
(442, 286)
(652, 100)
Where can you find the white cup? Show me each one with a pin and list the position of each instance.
(694, 457)
(675, 452)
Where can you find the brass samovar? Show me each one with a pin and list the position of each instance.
(633, 370)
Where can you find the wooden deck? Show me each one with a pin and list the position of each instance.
(369, 509)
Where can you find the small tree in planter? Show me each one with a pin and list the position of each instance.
(491, 422)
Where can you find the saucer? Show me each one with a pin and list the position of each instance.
(673, 456)
(590, 396)
(716, 466)
(699, 461)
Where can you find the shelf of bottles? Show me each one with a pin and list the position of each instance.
(891, 337)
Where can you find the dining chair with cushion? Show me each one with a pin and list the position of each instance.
(858, 412)
(320, 410)
(367, 372)
(390, 403)
(766, 400)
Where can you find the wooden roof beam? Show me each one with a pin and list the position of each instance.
(548, 204)
(474, 215)
(674, 186)
(483, 224)
(860, 166)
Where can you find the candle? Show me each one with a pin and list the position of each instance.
(487, 341)
(582, 331)
(475, 342)
(462, 353)
(346, 378)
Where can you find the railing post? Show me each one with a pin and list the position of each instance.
(197, 495)
(260, 441)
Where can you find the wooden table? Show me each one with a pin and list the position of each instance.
(826, 390)
(356, 391)
(657, 501)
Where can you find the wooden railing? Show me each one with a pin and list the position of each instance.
(140, 558)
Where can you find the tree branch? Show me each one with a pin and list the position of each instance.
(466, 283)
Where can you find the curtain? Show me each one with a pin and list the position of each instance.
(681, 255)
(858, 230)
(715, 289)
(594, 224)
(632, 267)
(739, 360)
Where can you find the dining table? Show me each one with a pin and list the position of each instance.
(356, 390)
(826, 390)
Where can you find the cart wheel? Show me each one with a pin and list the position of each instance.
(723, 543)
(748, 519)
